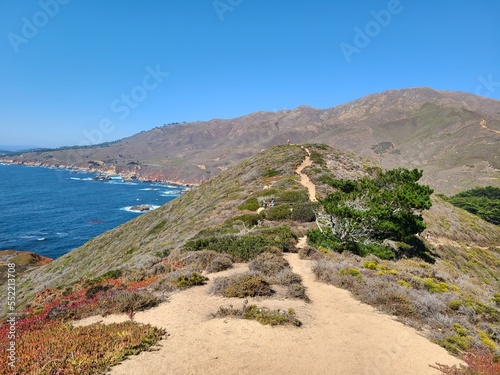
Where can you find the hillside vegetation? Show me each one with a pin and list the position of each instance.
(445, 284)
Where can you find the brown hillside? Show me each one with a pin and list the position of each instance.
(452, 136)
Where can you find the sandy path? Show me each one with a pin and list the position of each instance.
(339, 336)
(304, 180)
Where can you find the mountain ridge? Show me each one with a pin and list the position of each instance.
(452, 136)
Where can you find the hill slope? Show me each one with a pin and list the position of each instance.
(452, 136)
(450, 294)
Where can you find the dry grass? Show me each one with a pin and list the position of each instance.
(422, 295)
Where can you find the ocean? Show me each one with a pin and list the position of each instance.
(52, 211)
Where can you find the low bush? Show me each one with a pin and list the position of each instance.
(219, 263)
(131, 302)
(351, 272)
(298, 291)
(311, 253)
(477, 363)
(280, 212)
(247, 219)
(268, 264)
(246, 247)
(304, 212)
(293, 196)
(189, 280)
(113, 274)
(271, 173)
(261, 314)
(241, 285)
(242, 248)
(251, 204)
(208, 260)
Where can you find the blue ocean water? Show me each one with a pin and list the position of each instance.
(52, 211)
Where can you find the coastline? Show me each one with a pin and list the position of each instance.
(126, 176)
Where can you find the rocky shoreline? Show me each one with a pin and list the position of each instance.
(104, 170)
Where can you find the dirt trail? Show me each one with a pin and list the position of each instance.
(304, 180)
(339, 336)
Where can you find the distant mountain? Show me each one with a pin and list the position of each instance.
(454, 137)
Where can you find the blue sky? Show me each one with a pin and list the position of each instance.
(84, 71)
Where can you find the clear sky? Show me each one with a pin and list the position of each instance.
(81, 71)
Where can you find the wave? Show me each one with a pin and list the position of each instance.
(147, 189)
(81, 179)
(171, 193)
(129, 208)
(167, 186)
(118, 182)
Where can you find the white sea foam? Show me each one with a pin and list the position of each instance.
(170, 193)
(81, 179)
(129, 209)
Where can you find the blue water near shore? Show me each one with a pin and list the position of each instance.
(52, 211)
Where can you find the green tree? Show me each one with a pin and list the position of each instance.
(483, 202)
(373, 209)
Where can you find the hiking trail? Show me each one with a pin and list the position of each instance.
(304, 179)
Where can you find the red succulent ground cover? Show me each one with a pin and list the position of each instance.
(45, 341)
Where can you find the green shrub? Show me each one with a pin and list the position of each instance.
(486, 340)
(317, 158)
(483, 202)
(261, 314)
(405, 284)
(280, 212)
(371, 265)
(243, 248)
(186, 281)
(271, 172)
(304, 212)
(350, 271)
(455, 343)
(496, 299)
(251, 204)
(273, 318)
(248, 219)
(293, 196)
(455, 304)
(326, 239)
(113, 274)
(435, 287)
(381, 251)
(246, 247)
